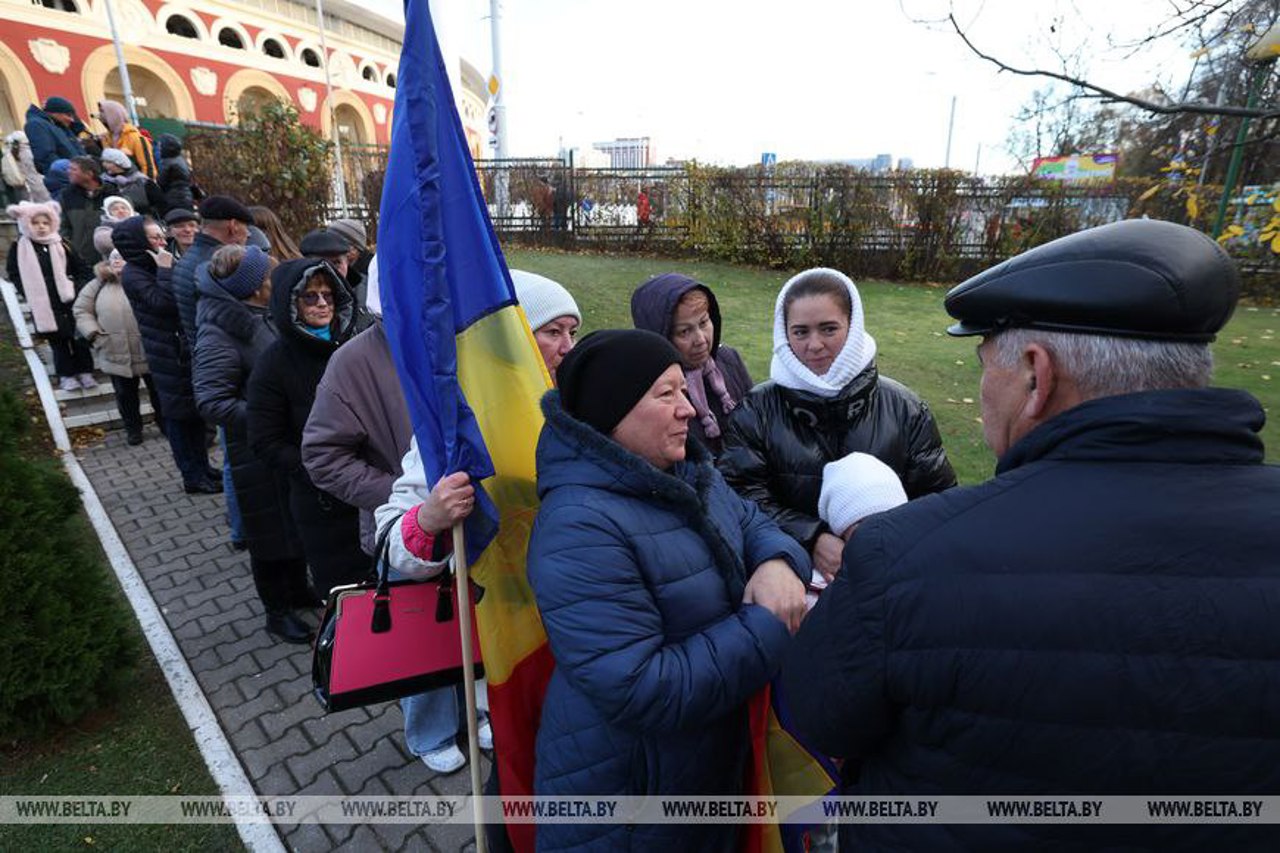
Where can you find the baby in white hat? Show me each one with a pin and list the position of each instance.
(853, 488)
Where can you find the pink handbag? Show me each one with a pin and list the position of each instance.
(387, 639)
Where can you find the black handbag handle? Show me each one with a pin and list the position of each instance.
(382, 596)
(382, 567)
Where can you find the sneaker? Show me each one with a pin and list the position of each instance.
(206, 487)
(484, 737)
(133, 438)
(87, 381)
(445, 760)
(68, 383)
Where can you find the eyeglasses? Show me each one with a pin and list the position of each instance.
(313, 297)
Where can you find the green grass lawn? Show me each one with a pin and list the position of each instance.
(139, 745)
(908, 324)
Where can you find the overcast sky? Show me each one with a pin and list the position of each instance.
(725, 80)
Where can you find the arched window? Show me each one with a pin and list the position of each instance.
(271, 47)
(310, 57)
(228, 37)
(391, 80)
(61, 5)
(179, 26)
(369, 74)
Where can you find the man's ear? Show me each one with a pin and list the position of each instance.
(1042, 382)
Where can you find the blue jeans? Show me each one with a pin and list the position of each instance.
(187, 443)
(229, 491)
(431, 719)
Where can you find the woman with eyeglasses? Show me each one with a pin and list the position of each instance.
(315, 315)
(234, 330)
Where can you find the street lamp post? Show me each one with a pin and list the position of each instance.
(1261, 57)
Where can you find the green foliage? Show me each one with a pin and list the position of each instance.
(65, 643)
(272, 159)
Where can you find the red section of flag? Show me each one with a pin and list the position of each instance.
(515, 710)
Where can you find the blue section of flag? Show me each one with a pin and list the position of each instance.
(440, 267)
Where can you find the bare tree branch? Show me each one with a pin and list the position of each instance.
(1197, 107)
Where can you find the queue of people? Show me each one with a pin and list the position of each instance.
(1097, 618)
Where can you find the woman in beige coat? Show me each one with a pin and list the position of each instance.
(105, 319)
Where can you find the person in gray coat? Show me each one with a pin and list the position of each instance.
(234, 328)
(359, 428)
(105, 319)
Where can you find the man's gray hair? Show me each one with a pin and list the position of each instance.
(1103, 365)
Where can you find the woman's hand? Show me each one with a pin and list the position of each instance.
(776, 588)
(450, 501)
(828, 551)
(163, 258)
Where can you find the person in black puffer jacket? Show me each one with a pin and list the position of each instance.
(174, 173)
(313, 311)
(146, 280)
(236, 329)
(825, 401)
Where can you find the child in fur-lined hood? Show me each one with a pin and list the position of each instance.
(49, 275)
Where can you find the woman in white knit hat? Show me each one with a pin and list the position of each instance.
(552, 313)
(826, 400)
(420, 512)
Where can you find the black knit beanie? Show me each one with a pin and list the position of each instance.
(606, 374)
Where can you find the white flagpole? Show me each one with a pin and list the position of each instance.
(129, 102)
(463, 585)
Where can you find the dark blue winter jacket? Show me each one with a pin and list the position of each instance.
(168, 349)
(639, 575)
(185, 286)
(1102, 617)
(49, 140)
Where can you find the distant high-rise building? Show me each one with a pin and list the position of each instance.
(882, 163)
(631, 153)
(906, 164)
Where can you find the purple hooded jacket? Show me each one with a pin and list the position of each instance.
(653, 307)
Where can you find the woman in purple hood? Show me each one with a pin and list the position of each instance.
(685, 312)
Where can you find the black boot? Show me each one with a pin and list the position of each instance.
(288, 627)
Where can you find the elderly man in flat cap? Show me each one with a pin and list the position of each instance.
(1101, 617)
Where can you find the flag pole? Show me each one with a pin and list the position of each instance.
(469, 682)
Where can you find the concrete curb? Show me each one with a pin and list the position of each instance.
(224, 766)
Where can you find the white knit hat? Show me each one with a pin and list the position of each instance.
(855, 487)
(542, 299)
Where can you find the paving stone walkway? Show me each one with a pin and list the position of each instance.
(258, 687)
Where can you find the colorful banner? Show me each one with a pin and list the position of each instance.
(1076, 167)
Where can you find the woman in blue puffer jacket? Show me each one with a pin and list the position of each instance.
(667, 599)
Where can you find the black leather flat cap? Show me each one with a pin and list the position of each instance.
(1140, 278)
(322, 243)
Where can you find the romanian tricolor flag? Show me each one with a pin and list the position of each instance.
(472, 377)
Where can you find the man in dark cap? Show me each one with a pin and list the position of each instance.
(328, 245)
(1101, 616)
(52, 132)
(225, 221)
(358, 254)
(182, 225)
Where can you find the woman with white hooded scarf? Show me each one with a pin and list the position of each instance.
(825, 399)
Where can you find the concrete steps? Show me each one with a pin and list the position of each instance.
(83, 408)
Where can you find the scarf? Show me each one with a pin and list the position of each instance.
(324, 333)
(859, 349)
(699, 378)
(33, 283)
